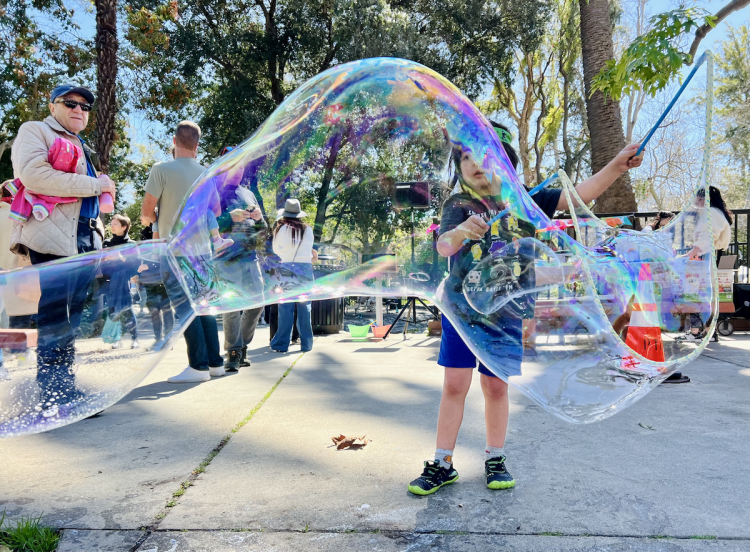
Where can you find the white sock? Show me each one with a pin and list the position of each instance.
(444, 457)
(494, 452)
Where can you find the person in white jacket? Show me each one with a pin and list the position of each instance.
(720, 220)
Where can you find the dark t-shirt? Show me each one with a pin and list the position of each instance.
(460, 207)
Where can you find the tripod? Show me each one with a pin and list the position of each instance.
(410, 302)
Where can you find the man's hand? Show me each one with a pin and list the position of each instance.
(473, 228)
(238, 215)
(145, 221)
(624, 161)
(255, 214)
(107, 185)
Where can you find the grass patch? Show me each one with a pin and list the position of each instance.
(659, 537)
(704, 537)
(551, 534)
(28, 535)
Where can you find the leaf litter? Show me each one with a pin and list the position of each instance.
(344, 442)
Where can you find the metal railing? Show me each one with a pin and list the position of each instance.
(740, 244)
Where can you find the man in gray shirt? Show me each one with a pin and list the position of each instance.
(168, 185)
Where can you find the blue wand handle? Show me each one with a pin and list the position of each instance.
(671, 104)
(505, 211)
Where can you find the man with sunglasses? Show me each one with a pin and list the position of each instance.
(69, 229)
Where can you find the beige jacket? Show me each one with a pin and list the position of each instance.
(55, 235)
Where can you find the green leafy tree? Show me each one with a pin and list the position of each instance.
(733, 99)
(34, 58)
(228, 64)
(653, 59)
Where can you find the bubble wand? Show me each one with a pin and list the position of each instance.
(698, 63)
(505, 211)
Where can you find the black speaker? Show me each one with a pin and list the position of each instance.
(412, 195)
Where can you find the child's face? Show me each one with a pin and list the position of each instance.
(473, 174)
(117, 228)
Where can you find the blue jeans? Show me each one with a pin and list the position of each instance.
(299, 274)
(202, 335)
(283, 336)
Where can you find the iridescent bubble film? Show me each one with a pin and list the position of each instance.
(384, 156)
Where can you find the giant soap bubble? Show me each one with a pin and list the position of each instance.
(582, 319)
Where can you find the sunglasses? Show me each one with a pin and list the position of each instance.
(72, 104)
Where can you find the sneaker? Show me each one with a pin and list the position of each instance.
(191, 375)
(433, 477)
(117, 345)
(497, 476)
(221, 243)
(216, 371)
(233, 361)
(243, 358)
(690, 337)
(135, 344)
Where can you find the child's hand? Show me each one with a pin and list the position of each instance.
(625, 160)
(473, 228)
(142, 268)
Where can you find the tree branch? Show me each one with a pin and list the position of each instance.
(722, 14)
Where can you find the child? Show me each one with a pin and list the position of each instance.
(119, 301)
(465, 216)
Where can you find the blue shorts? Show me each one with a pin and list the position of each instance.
(507, 348)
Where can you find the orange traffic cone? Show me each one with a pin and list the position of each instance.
(644, 332)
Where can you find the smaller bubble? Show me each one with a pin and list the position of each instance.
(419, 276)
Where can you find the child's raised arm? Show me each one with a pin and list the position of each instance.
(593, 187)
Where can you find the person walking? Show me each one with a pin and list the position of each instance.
(70, 228)
(168, 185)
(293, 243)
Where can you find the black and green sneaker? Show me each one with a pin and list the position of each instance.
(497, 476)
(433, 477)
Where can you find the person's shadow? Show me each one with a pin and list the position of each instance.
(159, 390)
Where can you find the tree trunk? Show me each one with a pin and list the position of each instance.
(603, 117)
(106, 71)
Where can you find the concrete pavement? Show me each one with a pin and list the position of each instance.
(110, 482)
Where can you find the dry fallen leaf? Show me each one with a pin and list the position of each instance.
(352, 443)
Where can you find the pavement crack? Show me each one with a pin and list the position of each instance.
(724, 360)
(190, 481)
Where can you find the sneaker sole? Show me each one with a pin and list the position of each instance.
(497, 485)
(421, 492)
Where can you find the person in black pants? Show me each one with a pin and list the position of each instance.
(66, 230)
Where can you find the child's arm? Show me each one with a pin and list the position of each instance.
(450, 243)
(593, 187)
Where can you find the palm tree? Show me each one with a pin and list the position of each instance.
(106, 70)
(603, 116)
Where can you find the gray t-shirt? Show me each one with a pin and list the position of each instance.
(170, 182)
